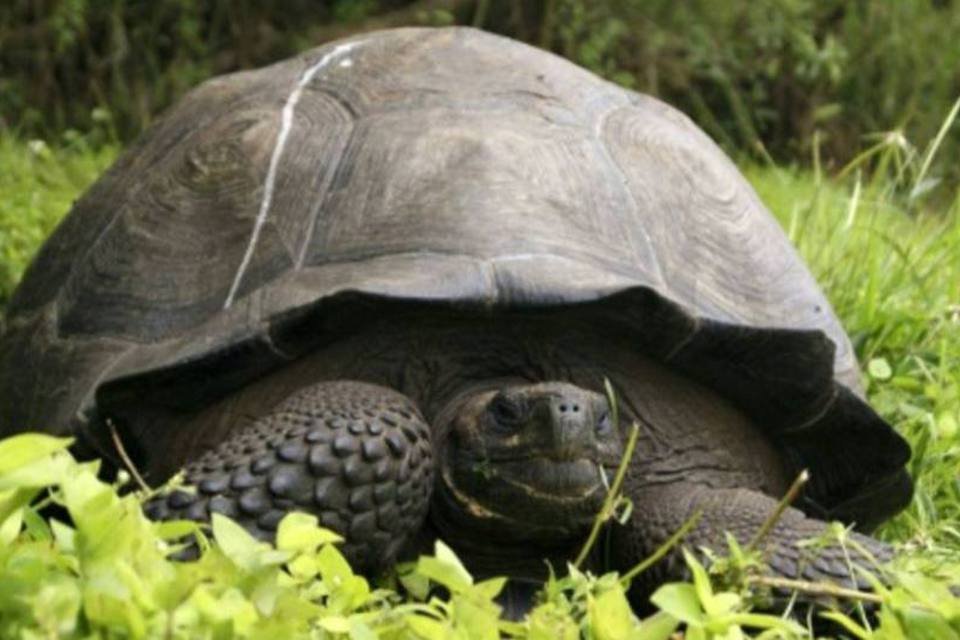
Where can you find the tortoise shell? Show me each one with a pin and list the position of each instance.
(270, 209)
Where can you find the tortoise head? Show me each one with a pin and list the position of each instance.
(528, 459)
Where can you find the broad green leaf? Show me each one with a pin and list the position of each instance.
(659, 626)
(415, 583)
(332, 565)
(610, 615)
(427, 628)
(23, 449)
(236, 542)
(680, 600)
(922, 624)
(300, 532)
(335, 624)
(360, 631)
(304, 567)
(64, 535)
(725, 602)
(477, 617)
(446, 555)
(490, 588)
(445, 568)
(352, 594)
(42, 472)
(931, 592)
(35, 526)
(175, 529)
(10, 528)
(701, 583)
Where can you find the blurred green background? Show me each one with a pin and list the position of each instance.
(777, 78)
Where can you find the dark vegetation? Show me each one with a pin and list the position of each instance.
(777, 77)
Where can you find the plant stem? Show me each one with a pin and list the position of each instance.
(814, 588)
(612, 496)
(665, 548)
(785, 502)
(128, 463)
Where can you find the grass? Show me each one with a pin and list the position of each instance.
(885, 248)
(894, 280)
(38, 183)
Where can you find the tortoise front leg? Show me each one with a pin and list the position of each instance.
(357, 455)
(659, 511)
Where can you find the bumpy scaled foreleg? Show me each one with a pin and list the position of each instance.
(357, 455)
(660, 511)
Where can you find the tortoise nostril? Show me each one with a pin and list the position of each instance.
(563, 408)
(576, 408)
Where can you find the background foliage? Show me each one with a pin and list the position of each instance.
(767, 76)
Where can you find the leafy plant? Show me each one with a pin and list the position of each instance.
(109, 573)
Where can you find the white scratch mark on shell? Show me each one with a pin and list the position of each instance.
(286, 124)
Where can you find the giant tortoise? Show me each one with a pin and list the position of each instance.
(384, 282)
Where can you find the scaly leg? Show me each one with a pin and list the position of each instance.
(356, 455)
(660, 511)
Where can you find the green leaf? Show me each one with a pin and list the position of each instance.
(923, 624)
(335, 624)
(300, 532)
(21, 450)
(10, 528)
(477, 617)
(848, 624)
(42, 472)
(35, 526)
(415, 583)
(725, 602)
(175, 529)
(360, 631)
(701, 583)
(755, 620)
(332, 565)
(427, 628)
(879, 369)
(12, 500)
(490, 588)
(235, 541)
(445, 568)
(610, 615)
(679, 599)
(64, 535)
(659, 626)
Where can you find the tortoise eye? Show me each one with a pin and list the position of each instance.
(506, 412)
(604, 425)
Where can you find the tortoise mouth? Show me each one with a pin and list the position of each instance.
(551, 479)
(542, 498)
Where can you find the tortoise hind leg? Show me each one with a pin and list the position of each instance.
(660, 511)
(356, 455)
